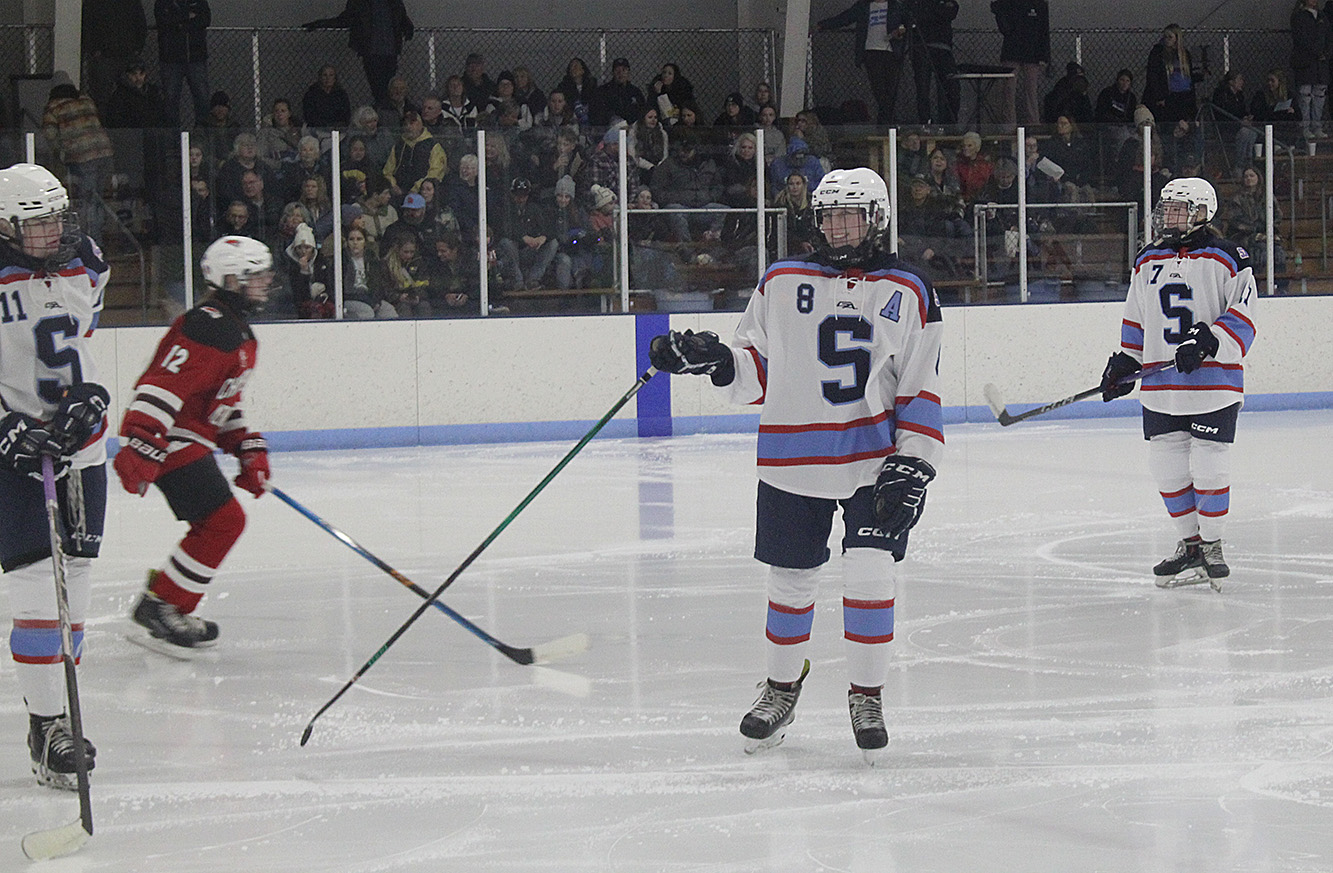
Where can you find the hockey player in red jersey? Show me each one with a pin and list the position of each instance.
(51, 283)
(841, 348)
(1189, 303)
(187, 403)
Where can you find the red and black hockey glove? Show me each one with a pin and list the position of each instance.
(253, 454)
(139, 461)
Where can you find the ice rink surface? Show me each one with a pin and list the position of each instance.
(1049, 708)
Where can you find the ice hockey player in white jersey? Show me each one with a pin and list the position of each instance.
(1190, 299)
(841, 349)
(51, 283)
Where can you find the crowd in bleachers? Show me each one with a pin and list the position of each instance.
(409, 168)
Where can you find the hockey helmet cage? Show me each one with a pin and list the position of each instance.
(1193, 193)
(30, 196)
(859, 188)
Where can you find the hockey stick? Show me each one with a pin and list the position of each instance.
(610, 413)
(41, 845)
(535, 655)
(1005, 419)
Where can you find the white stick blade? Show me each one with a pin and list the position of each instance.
(994, 399)
(42, 845)
(565, 683)
(561, 648)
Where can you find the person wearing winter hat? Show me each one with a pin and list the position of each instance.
(618, 98)
(735, 113)
(307, 275)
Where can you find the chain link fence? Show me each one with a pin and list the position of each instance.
(835, 78)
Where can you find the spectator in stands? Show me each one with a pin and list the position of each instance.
(182, 55)
(972, 166)
(203, 214)
(377, 212)
(376, 31)
(279, 134)
(931, 48)
(527, 243)
(500, 170)
(1026, 49)
(114, 33)
(236, 221)
(505, 92)
(881, 49)
(218, 128)
(367, 124)
(527, 92)
(928, 227)
(458, 108)
(411, 222)
(602, 221)
(75, 134)
(432, 116)
(1114, 115)
(650, 143)
(941, 176)
(460, 194)
(265, 209)
(688, 179)
(797, 160)
(409, 279)
(1129, 164)
(244, 156)
(668, 90)
(738, 172)
(562, 157)
(775, 143)
(313, 200)
(618, 98)
(647, 228)
(365, 280)
(735, 113)
(913, 157)
(1235, 124)
(688, 118)
(1042, 186)
(1247, 222)
(438, 217)
(1001, 189)
(309, 164)
(135, 103)
(1169, 90)
(1311, 51)
(308, 275)
(570, 228)
(802, 232)
(1273, 105)
(453, 283)
(415, 156)
(199, 168)
(604, 168)
(1077, 156)
(763, 96)
(326, 104)
(557, 114)
(393, 104)
(579, 86)
(357, 168)
(477, 85)
(809, 128)
(1069, 97)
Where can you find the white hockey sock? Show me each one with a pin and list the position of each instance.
(1211, 465)
(870, 582)
(791, 614)
(1169, 463)
(34, 641)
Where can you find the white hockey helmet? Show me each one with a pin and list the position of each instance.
(34, 212)
(860, 188)
(1184, 199)
(248, 260)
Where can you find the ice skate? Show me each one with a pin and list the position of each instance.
(765, 725)
(51, 745)
(171, 632)
(867, 713)
(1186, 566)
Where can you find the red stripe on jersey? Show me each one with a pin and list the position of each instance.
(1231, 333)
(823, 425)
(1212, 257)
(763, 375)
(1125, 345)
(921, 429)
(824, 460)
(924, 395)
(1191, 388)
(1133, 324)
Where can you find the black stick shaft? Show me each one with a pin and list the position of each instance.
(467, 562)
(1006, 419)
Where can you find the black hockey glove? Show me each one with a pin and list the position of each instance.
(23, 441)
(900, 493)
(699, 354)
(77, 417)
(1118, 366)
(1199, 344)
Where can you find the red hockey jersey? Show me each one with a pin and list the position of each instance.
(190, 395)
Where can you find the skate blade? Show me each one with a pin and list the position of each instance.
(176, 653)
(1196, 577)
(52, 779)
(874, 757)
(753, 746)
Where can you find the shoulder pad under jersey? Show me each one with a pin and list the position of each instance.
(214, 326)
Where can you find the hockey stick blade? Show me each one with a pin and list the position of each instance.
(564, 647)
(996, 403)
(64, 840)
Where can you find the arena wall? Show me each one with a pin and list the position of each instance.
(404, 383)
